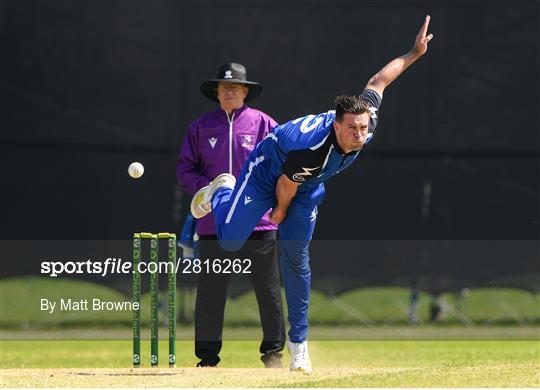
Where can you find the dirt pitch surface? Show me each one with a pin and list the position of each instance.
(177, 377)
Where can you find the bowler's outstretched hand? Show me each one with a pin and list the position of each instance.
(421, 41)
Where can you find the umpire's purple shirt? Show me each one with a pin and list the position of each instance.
(214, 145)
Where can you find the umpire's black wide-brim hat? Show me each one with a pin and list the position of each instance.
(232, 73)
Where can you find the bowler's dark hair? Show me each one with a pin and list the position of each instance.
(352, 104)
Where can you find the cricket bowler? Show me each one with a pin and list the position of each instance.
(286, 173)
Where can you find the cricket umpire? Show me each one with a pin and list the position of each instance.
(221, 141)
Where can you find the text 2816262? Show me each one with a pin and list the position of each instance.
(216, 266)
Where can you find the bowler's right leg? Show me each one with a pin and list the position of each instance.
(236, 210)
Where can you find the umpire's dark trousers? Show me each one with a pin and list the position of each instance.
(261, 248)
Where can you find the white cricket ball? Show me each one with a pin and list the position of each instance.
(135, 170)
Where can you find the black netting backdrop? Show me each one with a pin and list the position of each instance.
(88, 87)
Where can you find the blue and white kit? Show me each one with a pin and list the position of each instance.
(306, 150)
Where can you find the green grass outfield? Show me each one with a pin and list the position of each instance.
(336, 364)
(358, 339)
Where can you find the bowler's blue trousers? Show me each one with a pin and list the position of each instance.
(237, 212)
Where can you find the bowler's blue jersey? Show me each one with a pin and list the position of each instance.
(306, 149)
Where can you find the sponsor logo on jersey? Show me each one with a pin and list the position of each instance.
(212, 141)
(247, 199)
(302, 176)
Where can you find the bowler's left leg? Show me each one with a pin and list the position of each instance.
(295, 234)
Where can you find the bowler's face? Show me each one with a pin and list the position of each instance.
(231, 95)
(352, 131)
